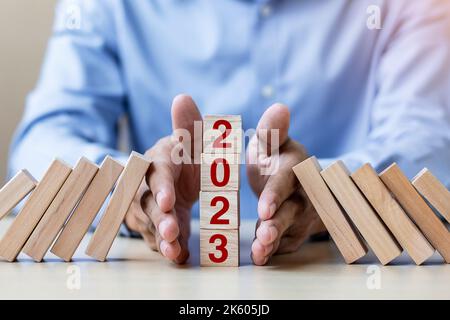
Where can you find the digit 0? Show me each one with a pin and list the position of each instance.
(215, 219)
(219, 142)
(226, 172)
(221, 247)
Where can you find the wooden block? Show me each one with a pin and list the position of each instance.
(219, 210)
(398, 222)
(361, 213)
(60, 209)
(417, 209)
(348, 241)
(219, 172)
(83, 216)
(33, 210)
(15, 191)
(219, 248)
(222, 133)
(434, 191)
(119, 203)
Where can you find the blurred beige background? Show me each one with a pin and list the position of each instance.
(24, 29)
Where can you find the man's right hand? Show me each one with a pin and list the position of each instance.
(161, 210)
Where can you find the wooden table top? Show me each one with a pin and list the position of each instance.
(316, 271)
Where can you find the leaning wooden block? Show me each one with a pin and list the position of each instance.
(418, 210)
(15, 191)
(222, 133)
(219, 210)
(219, 172)
(60, 209)
(120, 201)
(398, 222)
(361, 213)
(83, 216)
(219, 248)
(348, 241)
(434, 191)
(33, 210)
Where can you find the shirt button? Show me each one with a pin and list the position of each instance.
(266, 10)
(267, 91)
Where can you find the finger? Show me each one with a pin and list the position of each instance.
(277, 189)
(307, 222)
(171, 250)
(185, 115)
(273, 229)
(276, 117)
(165, 223)
(161, 181)
(260, 252)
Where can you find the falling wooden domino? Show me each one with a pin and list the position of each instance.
(398, 222)
(60, 209)
(361, 213)
(222, 133)
(33, 209)
(83, 216)
(418, 210)
(120, 201)
(219, 210)
(15, 191)
(348, 241)
(219, 248)
(434, 191)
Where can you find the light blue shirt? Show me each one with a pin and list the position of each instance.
(356, 93)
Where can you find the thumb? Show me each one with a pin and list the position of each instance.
(276, 117)
(186, 116)
(184, 113)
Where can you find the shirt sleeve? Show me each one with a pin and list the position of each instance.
(410, 119)
(77, 103)
(76, 106)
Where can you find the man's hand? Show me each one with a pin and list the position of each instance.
(286, 217)
(161, 210)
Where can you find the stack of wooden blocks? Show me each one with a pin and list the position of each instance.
(63, 205)
(388, 210)
(219, 195)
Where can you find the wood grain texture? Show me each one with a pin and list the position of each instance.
(207, 248)
(417, 209)
(60, 209)
(15, 191)
(316, 271)
(120, 201)
(434, 191)
(347, 240)
(233, 139)
(213, 202)
(84, 214)
(33, 210)
(361, 213)
(207, 161)
(392, 214)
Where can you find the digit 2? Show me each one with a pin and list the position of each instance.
(215, 219)
(219, 142)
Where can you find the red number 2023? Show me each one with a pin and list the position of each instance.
(226, 172)
(219, 142)
(221, 247)
(215, 219)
